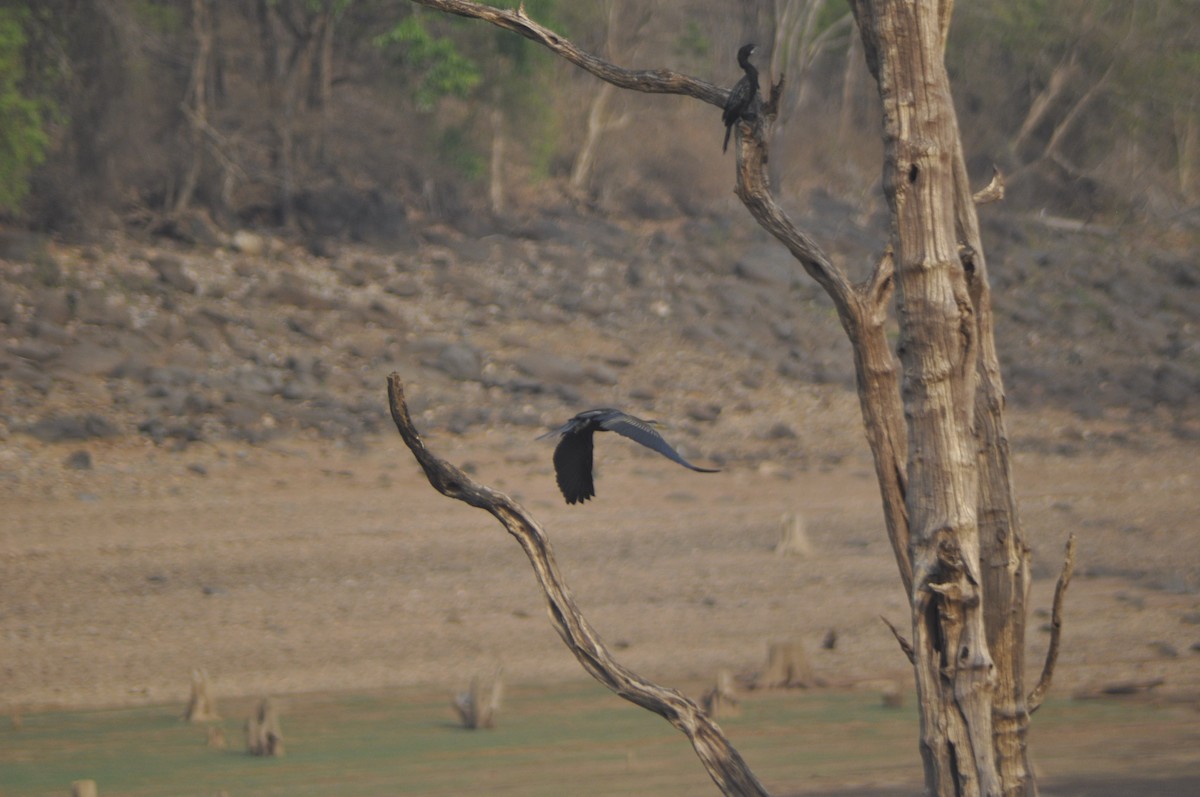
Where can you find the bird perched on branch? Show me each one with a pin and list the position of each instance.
(744, 97)
(573, 454)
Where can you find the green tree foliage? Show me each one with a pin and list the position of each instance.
(23, 139)
(444, 59)
(437, 67)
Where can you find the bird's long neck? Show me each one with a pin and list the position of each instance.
(747, 67)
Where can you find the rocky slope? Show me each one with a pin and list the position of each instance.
(688, 320)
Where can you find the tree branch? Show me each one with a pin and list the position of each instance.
(754, 189)
(904, 644)
(723, 763)
(657, 81)
(1060, 590)
(993, 191)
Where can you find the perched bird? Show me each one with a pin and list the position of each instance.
(573, 454)
(741, 101)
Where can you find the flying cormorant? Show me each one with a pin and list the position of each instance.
(573, 454)
(741, 101)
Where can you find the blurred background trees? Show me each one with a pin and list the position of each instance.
(353, 118)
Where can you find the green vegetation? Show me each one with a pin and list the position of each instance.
(575, 739)
(1097, 99)
(436, 66)
(23, 140)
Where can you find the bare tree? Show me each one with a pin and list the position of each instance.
(297, 55)
(933, 412)
(195, 106)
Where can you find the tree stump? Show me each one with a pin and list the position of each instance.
(787, 667)
(216, 738)
(83, 788)
(263, 734)
(201, 707)
(793, 537)
(473, 710)
(721, 700)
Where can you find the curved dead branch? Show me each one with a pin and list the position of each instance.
(1060, 590)
(656, 81)
(993, 191)
(723, 763)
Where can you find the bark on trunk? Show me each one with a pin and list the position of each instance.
(969, 560)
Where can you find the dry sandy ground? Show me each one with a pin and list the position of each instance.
(306, 565)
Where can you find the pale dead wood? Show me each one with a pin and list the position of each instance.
(1060, 590)
(721, 700)
(83, 788)
(993, 191)
(215, 738)
(264, 736)
(478, 707)
(722, 762)
(793, 536)
(201, 707)
(787, 668)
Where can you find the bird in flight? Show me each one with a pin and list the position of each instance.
(741, 101)
(573, 454)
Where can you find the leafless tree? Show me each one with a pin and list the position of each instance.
(933, 411)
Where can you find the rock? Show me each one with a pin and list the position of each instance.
(601, 373)
(8, 305)
(36, 351)
(51, 333)
(51, 306)
(551, 368)
(458, 361)
(102, 309)
(780, 431)
(79, 460)
(197, 227)
(704, 412)
(768, 265)
(72, 427)
(292, 290)
(22, 246)
(170, 272)
(91, 359)
(404, 286)
(248, 243)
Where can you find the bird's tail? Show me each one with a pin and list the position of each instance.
(728, 130)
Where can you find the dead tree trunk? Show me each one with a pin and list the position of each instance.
(478, 706)
(264, 737)
(197, 114)
(201, 707)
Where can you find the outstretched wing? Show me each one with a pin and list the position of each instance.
(641, 432)
(573, 466)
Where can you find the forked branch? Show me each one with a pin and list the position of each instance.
(723, 763)
(1060, 590)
